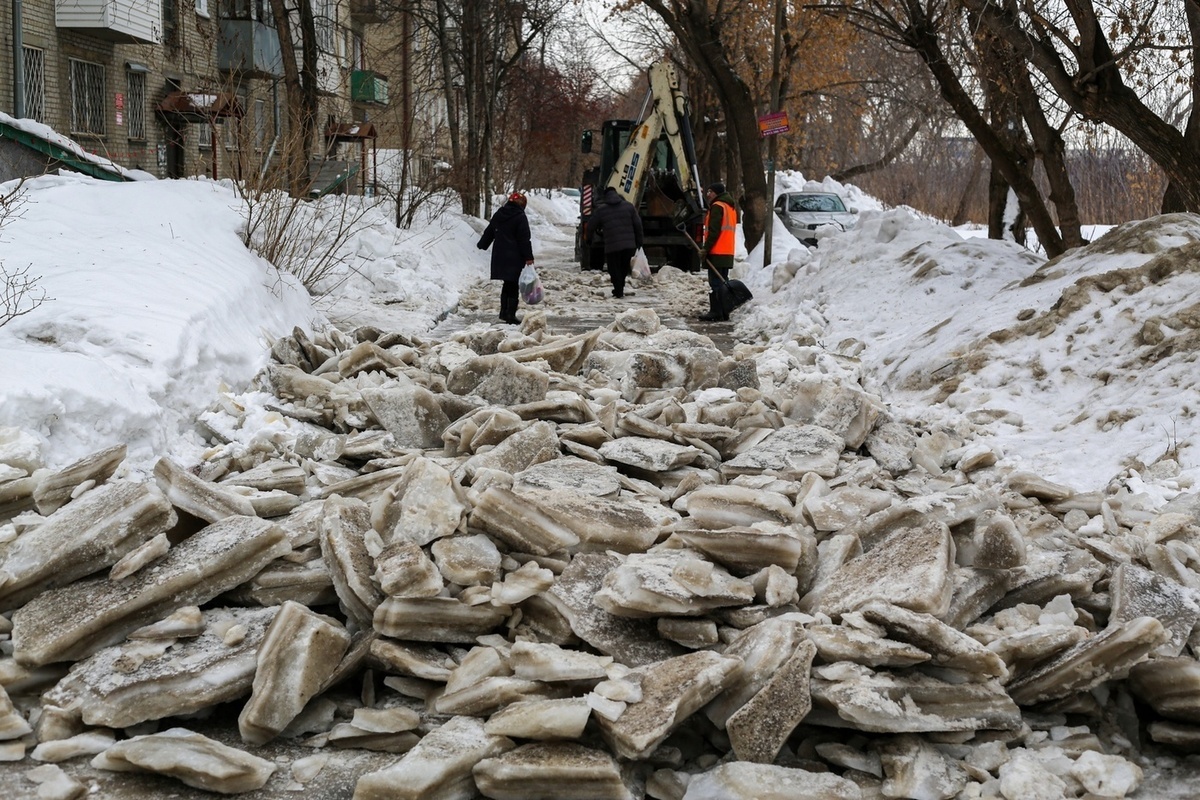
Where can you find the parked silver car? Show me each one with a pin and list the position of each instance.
(804, 212)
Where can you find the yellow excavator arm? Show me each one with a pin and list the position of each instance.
(668, 115)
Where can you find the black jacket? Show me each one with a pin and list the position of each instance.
(509, 229)
(617, 222)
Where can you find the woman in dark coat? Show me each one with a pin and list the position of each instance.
(618, 224)
(509, 230)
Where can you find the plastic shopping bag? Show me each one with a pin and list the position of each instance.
(640, 266)
(530, 285)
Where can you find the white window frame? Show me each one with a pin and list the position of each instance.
(202, 8)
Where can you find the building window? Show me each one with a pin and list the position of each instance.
(35, 83)
(135, 104)
(325, 19)
(202, 8)
(204, 134)
(87, 97)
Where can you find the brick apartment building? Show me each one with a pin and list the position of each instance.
(185, 87)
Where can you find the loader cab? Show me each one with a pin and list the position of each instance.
(666, 214)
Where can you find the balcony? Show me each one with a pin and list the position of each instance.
(366, 11)
(249, 48)
(368, 87)
(123, 21)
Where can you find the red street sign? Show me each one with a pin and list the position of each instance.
(772, 124)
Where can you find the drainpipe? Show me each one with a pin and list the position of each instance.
(18, 63)
(275, 137)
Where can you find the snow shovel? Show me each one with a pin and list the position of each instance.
(730, 294)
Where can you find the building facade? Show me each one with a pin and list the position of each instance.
(181, 87)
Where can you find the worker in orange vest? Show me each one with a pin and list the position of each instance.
(720, 230)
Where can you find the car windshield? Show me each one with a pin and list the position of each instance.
(816, 202)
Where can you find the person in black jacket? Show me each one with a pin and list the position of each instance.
(509, 229)
(619, 225)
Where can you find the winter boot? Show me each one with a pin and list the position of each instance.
(715, 312)
(508, 310)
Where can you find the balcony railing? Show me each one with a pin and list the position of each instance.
(249, 48)
(368, 87)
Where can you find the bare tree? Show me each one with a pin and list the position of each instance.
(297, 27)
(1104, 64)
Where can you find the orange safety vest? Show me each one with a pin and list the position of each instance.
(725, 240)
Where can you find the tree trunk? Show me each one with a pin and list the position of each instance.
(699, 34)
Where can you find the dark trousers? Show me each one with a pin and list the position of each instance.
(617, 262)
(509, 299)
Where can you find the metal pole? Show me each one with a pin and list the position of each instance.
(18, 63)
(771, 145)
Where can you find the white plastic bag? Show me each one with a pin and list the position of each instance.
(640, 266)
(530, 286)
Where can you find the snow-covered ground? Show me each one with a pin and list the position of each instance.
(1075, 369)
(1079, 369)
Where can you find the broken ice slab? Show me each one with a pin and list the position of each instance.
(747, 550)
(1171, 686)
(1039, 581)
(669, 582)
(843, 643)
(548, 662)
(73, 621)
(55, 490)
(672, 691)
(534, 444)
(947, 647)
(1106, 655)
(631, 642)
(438, 767)
(136, 681)
(88, 534)
(493, 693)
(500, 379)
(425, 504)
(208, 501)
(569, 472)
(917, 768)
(191, 758)
(436, 619)
(414, 660)
(520, 524)
(601, 523)
(308, 583)
(726, 506)
(884, 702)
(743, 780)
(565, 355)
(651, 455)
(911, 568)
(758, 730)
(1176, 734)
(411, 414)
(763, 649)
(1138, 592)
(844, 505)
(789, 453)
(270, 476)
(12, 724)
(555, 719)
(551, 771)
(403, 569)
(300, 651)
(468, 560)
(343, 538)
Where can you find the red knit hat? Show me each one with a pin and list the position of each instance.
(518, 198)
